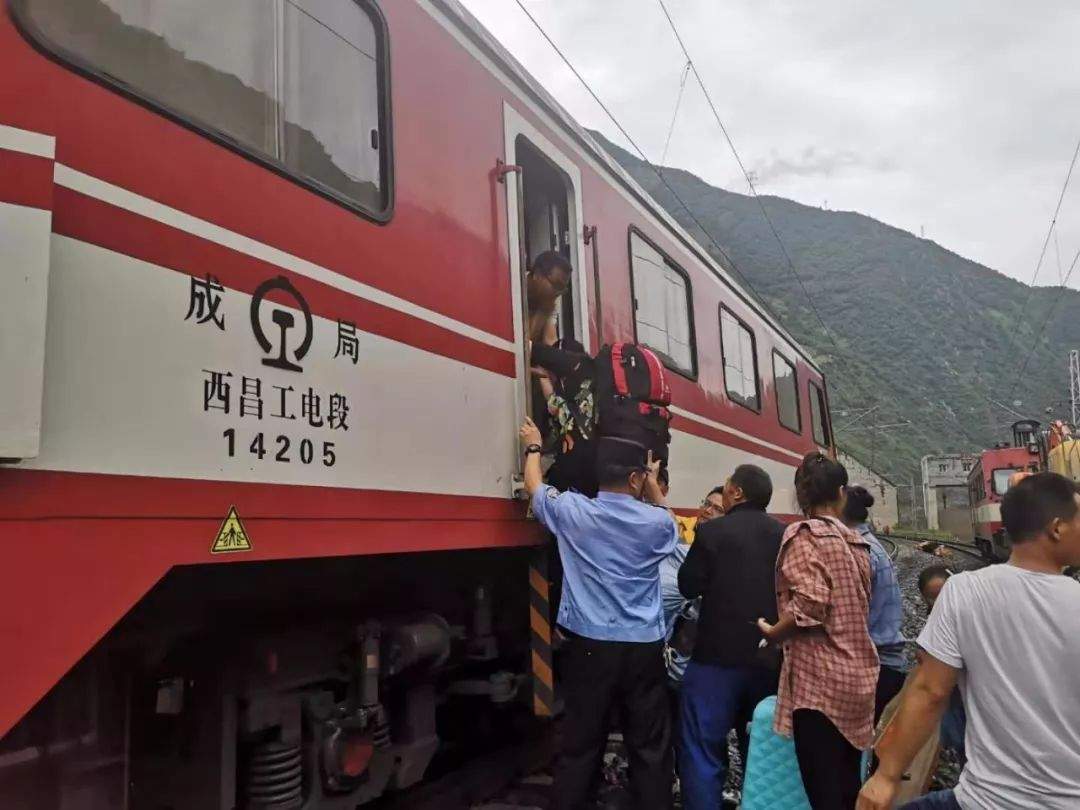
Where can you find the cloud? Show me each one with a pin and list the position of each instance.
(959, 117)
(811, 162)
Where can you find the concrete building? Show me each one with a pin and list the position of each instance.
(945, 492)
(885, 513)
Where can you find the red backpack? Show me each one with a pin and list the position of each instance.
(632, 397)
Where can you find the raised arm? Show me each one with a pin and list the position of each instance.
(531, 441)
(921, 709)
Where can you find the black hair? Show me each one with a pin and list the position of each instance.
(715, 491)
(551, 260)
(1030, 505)
(755, 484)
(817, 480)
(662, 477)
(932, 572)
(616, 459)
(857, 506)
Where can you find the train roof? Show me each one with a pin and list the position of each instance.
(484, 39)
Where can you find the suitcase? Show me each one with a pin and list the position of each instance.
(772, 780)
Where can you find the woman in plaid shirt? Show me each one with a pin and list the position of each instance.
(830, 671)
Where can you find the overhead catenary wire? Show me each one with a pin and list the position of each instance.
(641, 154)
(675, 114)
(1042, 328)
(731, 263)
(749, 178)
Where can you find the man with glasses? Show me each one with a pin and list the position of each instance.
(711, 508)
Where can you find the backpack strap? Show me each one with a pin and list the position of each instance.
(617, 370)
(658, 389)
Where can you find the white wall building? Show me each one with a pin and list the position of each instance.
(945, 492)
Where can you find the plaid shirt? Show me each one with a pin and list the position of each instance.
(823, 580)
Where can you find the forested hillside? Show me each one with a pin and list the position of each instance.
(917, 332)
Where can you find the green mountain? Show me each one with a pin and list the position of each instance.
(915, 331)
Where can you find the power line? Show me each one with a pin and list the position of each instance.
(747, 175)
(675, 115)
(1050, 230)
(641, 154)
(1042, 330)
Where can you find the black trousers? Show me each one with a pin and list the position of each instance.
(596, 677)
(829, 764)
(889, 683)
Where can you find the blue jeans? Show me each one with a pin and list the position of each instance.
(938, 800)
(714, 700)
(954, 724)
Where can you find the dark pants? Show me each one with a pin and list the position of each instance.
(715, 699)
(829, 764)
(629, 676)
(938, 800)
(889, 683)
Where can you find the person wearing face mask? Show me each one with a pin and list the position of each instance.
(611, 614)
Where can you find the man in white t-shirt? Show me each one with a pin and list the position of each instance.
(1010, 636)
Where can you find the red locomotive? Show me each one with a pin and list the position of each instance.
(262, 366)
(989, 480)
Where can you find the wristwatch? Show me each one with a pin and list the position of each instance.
(533, 448)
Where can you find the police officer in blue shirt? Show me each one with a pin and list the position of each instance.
(611, 613)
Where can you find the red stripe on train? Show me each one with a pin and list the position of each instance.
(89, 220)
(26, 179)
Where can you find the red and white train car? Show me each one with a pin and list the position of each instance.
(261, 293)
(989, 480)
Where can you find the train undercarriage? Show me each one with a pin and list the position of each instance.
(302, 684)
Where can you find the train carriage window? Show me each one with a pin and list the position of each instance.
(819, 423)
(296, 83)
(739, 353)
(1000, 480)
(661, 292)
(787, 393)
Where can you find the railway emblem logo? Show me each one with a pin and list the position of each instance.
(286, 323)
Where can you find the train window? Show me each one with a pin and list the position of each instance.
(787, 393)
(819, 423)
(1000, 480)
(661, 291)
(295, 83)
(739, 353)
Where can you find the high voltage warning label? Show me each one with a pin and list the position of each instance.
(231, 536)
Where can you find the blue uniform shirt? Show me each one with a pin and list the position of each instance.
(886, 606)
(675, 604)
(611, 547)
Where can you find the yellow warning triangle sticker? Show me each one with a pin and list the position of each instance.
(231, 536)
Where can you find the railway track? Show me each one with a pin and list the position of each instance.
(963, 548)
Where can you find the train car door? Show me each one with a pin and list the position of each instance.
(543, 198)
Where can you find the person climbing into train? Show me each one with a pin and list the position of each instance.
(886, 604)
(830, 669)
(1007, 635)
(564, 373)
(611, 614)
(546, 281)
(730, 567)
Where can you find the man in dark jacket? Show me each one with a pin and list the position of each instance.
(731, 565)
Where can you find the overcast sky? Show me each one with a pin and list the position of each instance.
(957, 117)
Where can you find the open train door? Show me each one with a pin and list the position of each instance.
(543, 200)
